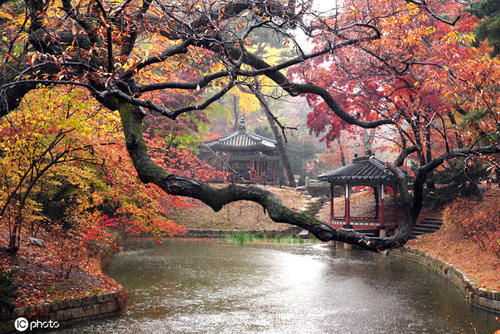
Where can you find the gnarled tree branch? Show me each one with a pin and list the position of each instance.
(149, 172)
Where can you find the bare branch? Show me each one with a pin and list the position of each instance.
(205, 104)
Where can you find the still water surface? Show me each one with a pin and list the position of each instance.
(185, 286)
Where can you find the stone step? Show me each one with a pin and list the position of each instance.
(426, 221)
(425, 228)
(430, 223)
(433, 219)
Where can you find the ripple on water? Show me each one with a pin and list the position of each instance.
(205, 287)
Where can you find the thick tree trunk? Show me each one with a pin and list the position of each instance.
(428, 156)
(236, 112)
(342, 155)
(368, 136)
(454, 123)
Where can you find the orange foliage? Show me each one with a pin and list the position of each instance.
(476, 220)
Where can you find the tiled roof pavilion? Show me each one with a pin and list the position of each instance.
(363, 171)
(242, 140)
(245, 153)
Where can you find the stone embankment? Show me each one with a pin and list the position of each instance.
(482, 298)
(64, 312)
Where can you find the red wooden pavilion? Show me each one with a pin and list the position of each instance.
(363, 171)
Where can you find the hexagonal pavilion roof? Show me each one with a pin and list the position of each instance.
(362, 171)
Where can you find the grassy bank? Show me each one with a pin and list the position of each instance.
(245, 237)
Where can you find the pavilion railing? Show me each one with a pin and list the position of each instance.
(367, 223)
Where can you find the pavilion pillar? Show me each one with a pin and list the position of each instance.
(263, 177)
(260, 170)
(250, 169)
(347, 207)
(257, 174)
(276, 171)
(381, 206)
(265, 168)
(331, 202)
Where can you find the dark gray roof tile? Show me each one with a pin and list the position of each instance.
(241, 140)
(362, 171)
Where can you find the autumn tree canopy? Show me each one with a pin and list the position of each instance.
(129, 54)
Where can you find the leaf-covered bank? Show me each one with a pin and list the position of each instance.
(48, 274)
(469, 239)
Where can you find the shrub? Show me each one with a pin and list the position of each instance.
(459, 179)
(8, 291)
(476, 220)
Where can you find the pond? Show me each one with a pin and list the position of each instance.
(189, 286)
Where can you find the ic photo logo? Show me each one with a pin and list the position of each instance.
(22, 324)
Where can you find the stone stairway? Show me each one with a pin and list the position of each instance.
(312, 206)
(428, 225)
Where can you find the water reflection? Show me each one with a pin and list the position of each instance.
(208, 287)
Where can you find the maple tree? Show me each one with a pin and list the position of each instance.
(125, 52)
(423, 73)
(82, 187)
(33, 145)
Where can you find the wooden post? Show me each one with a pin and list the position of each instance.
(381, 206)
(331, 202)
(259, 171)
(347, 206)
(277, 166)
(250, 168)
(274, 172)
